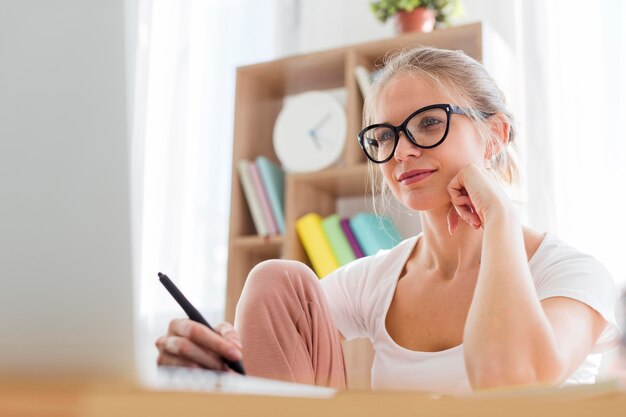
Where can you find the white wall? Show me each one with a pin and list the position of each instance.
(66, 299)
(329, 24)
(500, 15)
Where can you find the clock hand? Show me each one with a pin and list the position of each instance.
(321, 122)
(313, 131)
(313, 135)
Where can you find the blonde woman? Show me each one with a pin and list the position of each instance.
(475, 301)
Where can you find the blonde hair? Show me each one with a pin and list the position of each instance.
(464, 80)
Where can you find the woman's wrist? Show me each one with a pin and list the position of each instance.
(499, 215)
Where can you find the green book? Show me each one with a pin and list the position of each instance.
(337, 239)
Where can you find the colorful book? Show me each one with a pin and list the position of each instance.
(259, 188)
(316, 245)
(251, 198)
(274, 180)
(374, 232)
(337, 239)
(354, 244)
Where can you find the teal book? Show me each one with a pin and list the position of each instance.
(337, 239)
(273, 179)
(374, 233)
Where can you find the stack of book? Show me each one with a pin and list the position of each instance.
(263, 185)
(331, 241)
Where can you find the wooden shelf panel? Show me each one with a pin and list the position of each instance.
(339, 182)
(467, 38)
(300, 73)
(258, 243)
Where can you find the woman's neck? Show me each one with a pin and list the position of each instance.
(437, 250)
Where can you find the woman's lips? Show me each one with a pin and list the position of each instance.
(415, 175)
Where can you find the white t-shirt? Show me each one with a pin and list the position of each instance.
(359, 295)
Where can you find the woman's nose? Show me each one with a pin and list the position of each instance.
(406, 148)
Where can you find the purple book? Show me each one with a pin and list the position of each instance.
(356, 248)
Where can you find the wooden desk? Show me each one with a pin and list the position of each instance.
(86, 399)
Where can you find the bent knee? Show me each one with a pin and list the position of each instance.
(275, 272)
(271, 277)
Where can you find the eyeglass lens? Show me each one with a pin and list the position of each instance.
(426, 129)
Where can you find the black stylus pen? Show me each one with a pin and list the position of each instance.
(195, 315)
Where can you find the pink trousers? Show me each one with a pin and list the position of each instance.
(286, 329)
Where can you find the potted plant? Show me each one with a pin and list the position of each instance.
(416, 15)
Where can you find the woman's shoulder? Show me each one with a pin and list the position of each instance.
(556, 261)
(559, 269)
(548, 248)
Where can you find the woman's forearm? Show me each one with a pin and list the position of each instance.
(508, 339)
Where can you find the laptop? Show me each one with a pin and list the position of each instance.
(66, 302)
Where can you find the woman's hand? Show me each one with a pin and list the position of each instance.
(194, 345)
(476, 196)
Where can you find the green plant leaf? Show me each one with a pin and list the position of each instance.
(444, 9)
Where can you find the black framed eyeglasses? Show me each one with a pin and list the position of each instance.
(426, 128)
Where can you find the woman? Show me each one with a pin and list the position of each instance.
(475, 301)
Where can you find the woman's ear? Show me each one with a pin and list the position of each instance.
(501, 129)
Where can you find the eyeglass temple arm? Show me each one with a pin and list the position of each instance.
(459, 110)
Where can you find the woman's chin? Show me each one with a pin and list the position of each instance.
(423, 204)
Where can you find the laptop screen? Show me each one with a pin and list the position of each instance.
(65, 249)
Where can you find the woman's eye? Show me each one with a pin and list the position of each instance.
(430, 122)
(387, 136)
(372, 142)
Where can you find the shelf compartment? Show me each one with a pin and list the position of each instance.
(318, 192)
(300, 73)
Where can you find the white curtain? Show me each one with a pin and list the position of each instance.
(184, 81)
(575, 123)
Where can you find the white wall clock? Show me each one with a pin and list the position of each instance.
(310, 132)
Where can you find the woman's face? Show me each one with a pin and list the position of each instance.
(403, 95)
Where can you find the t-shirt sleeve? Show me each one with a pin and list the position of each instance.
(344, 290)
(565, 272)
